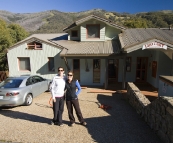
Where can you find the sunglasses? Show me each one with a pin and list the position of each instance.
(60, 70)
(70, 75)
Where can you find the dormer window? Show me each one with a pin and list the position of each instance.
(93, 31)
(74, 33)
(34, 45)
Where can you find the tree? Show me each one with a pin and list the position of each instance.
(135, 23)
(9, 35)
(5, 41)
(17, 32)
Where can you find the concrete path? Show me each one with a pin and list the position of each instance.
(120, 124)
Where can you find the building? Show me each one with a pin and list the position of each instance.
(99, 53)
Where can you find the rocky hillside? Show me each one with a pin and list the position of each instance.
(54, 21)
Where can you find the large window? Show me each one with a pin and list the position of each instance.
(51, 65)
(24, 64)
(96, 70)
(93, 31)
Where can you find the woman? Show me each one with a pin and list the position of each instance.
(57, 91)
(72, 99)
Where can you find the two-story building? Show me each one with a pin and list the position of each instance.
(99, 53)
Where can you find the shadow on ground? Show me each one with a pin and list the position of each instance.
(123, 125)
(26, 116)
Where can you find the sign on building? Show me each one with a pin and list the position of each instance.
(154, 45)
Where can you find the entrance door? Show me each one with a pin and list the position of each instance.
(141, 69)
(112, 71)
(76, 69)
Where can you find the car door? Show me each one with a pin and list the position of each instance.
(34, 86)
(42, 83)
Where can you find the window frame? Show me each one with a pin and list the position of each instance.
(19, 67)
(88, 25)
(49, 64)
(34, 44)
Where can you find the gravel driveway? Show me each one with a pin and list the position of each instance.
(121, 124)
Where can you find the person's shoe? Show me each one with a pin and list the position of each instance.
(72, 124)
(83, 123)
(52, 123)
(55, 123)
(61, 125)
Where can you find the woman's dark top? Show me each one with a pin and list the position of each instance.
(71, 93)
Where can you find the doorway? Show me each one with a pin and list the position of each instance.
(141, 69)
(113, 71)
(76, 69)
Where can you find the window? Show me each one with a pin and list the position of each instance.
(29, 81)
(38, 79)
(11, 83)
(93, 31)
(96, 70)
(51, 65)
(34, 45)
(128, 64)
(24, 64)
(74, 33)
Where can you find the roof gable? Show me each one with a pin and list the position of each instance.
(140, 45)
(42, 38)
(133, 37)
(108, 22)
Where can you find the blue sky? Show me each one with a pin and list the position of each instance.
(130, 6)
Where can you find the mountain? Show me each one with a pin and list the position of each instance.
(54, 21)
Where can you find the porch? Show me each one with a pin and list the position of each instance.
(147, 89)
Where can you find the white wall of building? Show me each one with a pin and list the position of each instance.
(38, 60)
(83, 31)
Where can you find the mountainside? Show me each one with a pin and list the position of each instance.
(55, 21)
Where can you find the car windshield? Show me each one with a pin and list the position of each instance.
(11, 83)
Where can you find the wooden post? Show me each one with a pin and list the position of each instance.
(86, 65)
(106, 75)
(66, 63)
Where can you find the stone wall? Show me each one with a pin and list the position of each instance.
(158, 114)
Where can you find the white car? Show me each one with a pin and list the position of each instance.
(21, 90)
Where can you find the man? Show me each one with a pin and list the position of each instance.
(57, 91)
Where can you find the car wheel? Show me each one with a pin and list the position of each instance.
(28, 100)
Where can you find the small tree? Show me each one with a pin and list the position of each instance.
(9, 35)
